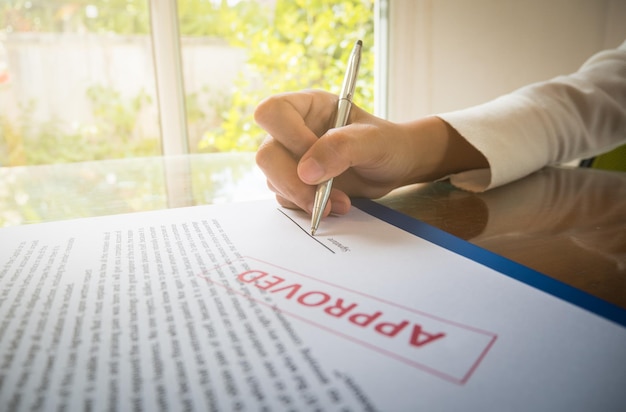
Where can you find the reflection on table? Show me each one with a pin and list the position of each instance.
(35, 194)
(567, 223)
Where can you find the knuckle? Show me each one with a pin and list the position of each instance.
(264, 110)
(264, 155)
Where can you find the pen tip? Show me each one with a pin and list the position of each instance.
(359, 42)
(312, 231)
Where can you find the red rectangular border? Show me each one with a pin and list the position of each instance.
(492, 337)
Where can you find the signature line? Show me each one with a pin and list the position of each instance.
(305, 231)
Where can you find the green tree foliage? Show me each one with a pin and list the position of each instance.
(197, 17)
(290, 45)
(109, 16)
(304, 44)
(112, 134)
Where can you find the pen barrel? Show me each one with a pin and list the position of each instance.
(343, 112)
(321, 199)
(349, 81)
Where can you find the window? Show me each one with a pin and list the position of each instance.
(80, 82)
(79, 79)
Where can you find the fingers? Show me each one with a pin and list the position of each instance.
(279, 165)
(339, 202)
(296, 120)
(360, 144)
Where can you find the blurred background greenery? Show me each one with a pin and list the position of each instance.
(286, 45)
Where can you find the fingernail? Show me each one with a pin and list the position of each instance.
(310, 171)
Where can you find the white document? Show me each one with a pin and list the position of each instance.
(237, 307)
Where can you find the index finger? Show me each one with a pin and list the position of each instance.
(296, 120)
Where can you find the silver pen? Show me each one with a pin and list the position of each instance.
(343, 111)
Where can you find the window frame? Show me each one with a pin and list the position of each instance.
(166, 50)
(165, 35)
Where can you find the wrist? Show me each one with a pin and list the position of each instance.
(440, 150)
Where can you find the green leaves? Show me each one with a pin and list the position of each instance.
(303, 44)
(289, 45)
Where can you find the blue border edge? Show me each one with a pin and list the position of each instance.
(494, 261)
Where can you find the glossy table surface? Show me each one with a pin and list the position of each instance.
(34, 194)
(567, 223)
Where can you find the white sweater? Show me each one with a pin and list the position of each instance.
(548, 123)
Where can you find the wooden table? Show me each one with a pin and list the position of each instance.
(567, 223)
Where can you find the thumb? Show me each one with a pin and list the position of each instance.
(331, 155)
(311, 171)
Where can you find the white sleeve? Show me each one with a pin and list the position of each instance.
(568, 117)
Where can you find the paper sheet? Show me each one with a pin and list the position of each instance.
(236, 307)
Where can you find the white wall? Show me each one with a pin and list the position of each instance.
(450, 54)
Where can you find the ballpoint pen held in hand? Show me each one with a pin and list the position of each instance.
(343, 111)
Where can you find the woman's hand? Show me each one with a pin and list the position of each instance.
(368, 158)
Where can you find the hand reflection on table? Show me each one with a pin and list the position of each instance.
(567, 223)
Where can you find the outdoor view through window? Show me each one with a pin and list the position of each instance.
(77, 78)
